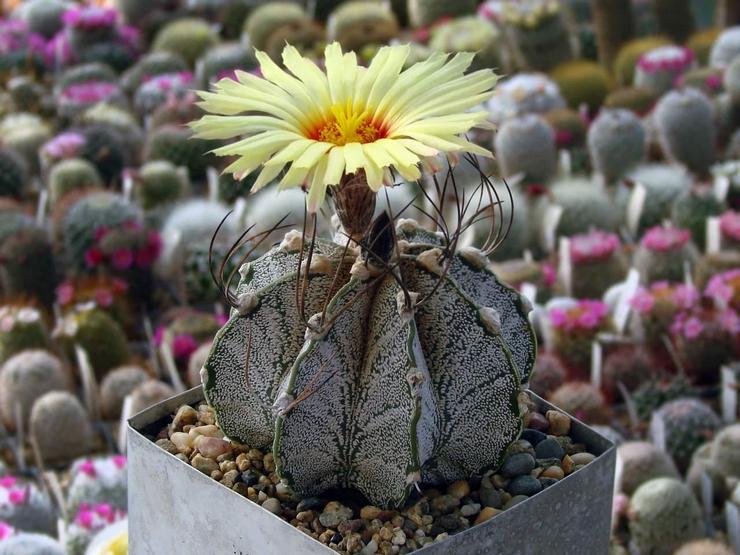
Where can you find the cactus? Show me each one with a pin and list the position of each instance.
(585, 206)
(254, 423)
(708, 80)
(625, 63)
(189, 38)
(105, 147)
(597, 263)
(61, 427)
(725, 451)
(44, 16)
(121, 120)
(654, 393)
(641, 462)
(701, 43)
(85, 73)
(581, 400)
(516, 241)
(198, 283)
(27, 142)
(569, 126)
(159, 89)
(661, 68)
(98, 334)
(149, 393)
(119, 383)
(361, 23)
(701, 465)
(731, 81)
(725, 48)
(573, 331)
(187, 330)
(75, 99)
(179, 147)
(524, 93)
(98, 480)
(686, 423)
(26, 94)
(221, 61)
(269, 18)
(31, 544)
(704, 547)
(548, 374)
(628, 365)
(196, 362)
(691, 210)
(150, 65)
(663, 514)
(640, 101)
(705, 340)
(12, 174)
(88, 522)
(582, 82)
(25, 507)
(663, 254)
(616, 142)
(470, 34)
(424, 13)
(70, 175)
(88, 25)
(526, 144)
(21, 328)
(28, 267)
(159, 183)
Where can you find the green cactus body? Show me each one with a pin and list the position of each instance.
(524, 93)
(628, 55)
(21, 328)
(149, 394)
(84, 73)
(186, 37)
(31, 544)
(654, 393)
(725, 48)
(725, 452)
(44, 16)
(159, 183)
(177, 145)
(581, 400)
(268, 18)
(27, 142)
(27, 265)
(691, 210)
(641, 462)
(59, 414)
(34, 513)
(585, 206)
(150, 65)
(26, 94)
(105, 148)
(686, 423)
(708, 80)
(628, 365)
(397, 377)
(540, 33)
(685, 123)
(113, 54)
(70, 175)
(470, 34)
(640, 101)
(424, 13)
(119, 383)
(12, 174)
(616, 142)
(663, 515)
(663, 254)
(570, 134)
(526, 144)
(701, 43)
(223, 59)
(597, 262)
(360, 23)
(122, 121)
(98, 334)
(582, 82)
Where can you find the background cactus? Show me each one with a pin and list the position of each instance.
(725, 451)
(656, 392)
(27, 265)
(116, 385)
(548, 374)
(582, 82)
(150, 65)
(524, 93)
(701, 43)
(31, 544)
(628, 55)
(186, 37)
(98, 480)
(585, 205)
(71, 174)
(12, 174)
(661, 68)
(641, 462)
(221, 60)
(663, 515)
(707, 79)
(59, 414)
(470, 34)
(526, 144)
(691, 210)
(424, 13)
(663, 254)
(616, 142)
(581, 400)
(159, 183)
(44, 16)
(22, 329)
(25, 507)
(704, 547)
(148, 394)
(178, 146)
(360, 23)
(597, 263)
(725, 48)
(628, 365)
(267, 20)
(640, 101)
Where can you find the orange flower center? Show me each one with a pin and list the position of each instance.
(347, 125)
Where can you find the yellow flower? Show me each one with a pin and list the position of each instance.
(319, 126)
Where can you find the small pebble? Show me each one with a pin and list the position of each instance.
(547, 482)
(370, 548)
(549, 449)
(458, 489)
(449, 522)
(524, 485)
(445, 504)
(486, 513)
(554, 472)
(538, 422)
(490, 497)
(310, 504)
(517, 465)
(272, 505)
(470, 510)
(582, 458)
(186, 415)
(533, 436)
(211, 447)
(559, 423)
(334, 513)
(567, 464)
(204, 465)
(168, 446)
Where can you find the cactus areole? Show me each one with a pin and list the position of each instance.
(388, 356)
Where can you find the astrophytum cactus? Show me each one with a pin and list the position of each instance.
(388, 357)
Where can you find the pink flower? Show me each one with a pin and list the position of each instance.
(558, 317)
(119, 286)
(643, 302)
(122, 259)
(93, 257)
(563, 138)
(183, 346)
(6, 530)
(549, 274)
(90, 17)
(713, 82)
(64, 145)
(596, 245)
(663, 239)
(685, 296)
(7, 482)
(719, 289)
(119, 461)
(104, 510)
(65, 293)
(89, 92)
(100, 232)
(729, 225)
(103, 297)
(587, 314)
(18, 496)
(88, 467)
(159, 335)
(692, 328)
(729, 321)
(84, 519)
(221, 319)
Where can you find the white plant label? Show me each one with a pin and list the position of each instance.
(729, 395)
(657, 432)
(89, 384)
(212, 178)
(707, 495)
(597, 354)
(732, 518)
(149, 331)
(550, 222)
(635, 207)
(622, 311)
(566, 164)
(52, 483)
(688, 278)
(41, 207)
(168, 361)
(128, 186)
(714, 237)
(128, 403)
(565, 268)
(240, 208)
(20, 455)
(721, 187)
(529, 290)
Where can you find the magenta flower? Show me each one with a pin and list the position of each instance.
(729, 321)
(6, 530)
(159, 335)
(103, 297)
(84, 519)
(183, 346)
(587, 315)
(549, 274)
(719, 288)
(100, 232)
(104, 510)
(685, 296)
(563, 138)
(93, 257)
(663, 239)
(221, 319)
(90, 17)
(64, 145)
(692, 328)
(119, 285)
(89, 92)
(643, 302)
(666, 58)
(88, 467)
(713, 82)
(65, 293)
(119, 461)
(7, 482)
(18, 496)
(596, 245)
(729, 225)
(122, 259)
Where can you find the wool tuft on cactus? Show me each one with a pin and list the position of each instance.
(389, 339)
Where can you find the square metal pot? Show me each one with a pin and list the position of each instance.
(173, 508)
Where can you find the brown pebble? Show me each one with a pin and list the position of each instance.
(185, 415)
(167, 445)
(370, 512)
(211, 447)
(535, 472)
(459, 489)
(241, 488)
(486, 513)
(553, 472)
(567, 464)
(559, 423)
(582, 458)
(305, 516)
(203, 464)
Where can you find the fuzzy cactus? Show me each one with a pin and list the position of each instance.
(691, 211)
(470, 34)
(71, 174)
(585, 206)
(573, 331)
(105, 146)
(116, 385)
(424, 13)
(27, 266)
(98, 480)
(548, 374)
(271, 24)
(88, 25)
(628, 365)
(625, 63)
(98, 334)
(121, 120)
(148, 394)
(663, 254)
(186, 37)
(704, 547)
(616, 142)
(21, 328)
(158, 90)
(90, 520)
(12, 174)
(725, 451)
(725, 48)
(524, 93)
(640, 101)
(597, 263)
(656, 392)
(25, 507)
(526, 144)
(61, 427)
(150, 65)
(85, 73)
(661, 68)
(31, 544)
(581, 400)
(27, 142)
(708, 80)
(160, 183)
(684, 424)
(360, 23)
(685, 124)
(44, 16)
(641, 462)
(178, 146)
(221, 61)
(582, 82)
(663, 514)
(24, 378)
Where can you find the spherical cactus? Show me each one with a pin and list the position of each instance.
(119, 383)
(360, 23)
(24, 378)
(21, 328)
(581, 400)
(178, 146)
(660, 69)
(239, 408)
(186, 37)
(663, 514)
(90, 521)
(582, 82)
(626, 61)
(221, 61)
(684, 425)
(150, 65)
(470, 34)
(663, 254)
(31, 544)
(27, 265)
(701, 465)
(61, 427)
(704, 547)
(708, 80)
(616, 142)
(597, 262)
(630, 366)
(640, 101)
(26, 94)
(273, 22)
(685, 123)
(701, 43)
(729, 227)
(548, 374)
(570, 128)
(524, 93)
(85, 73)
(69, 175)
(195, 364)
(424, 13)
(13, 174)
(725, 48)
(27, 142)
(161, 89)
(25, 507)
(44, 16)
(121, 120)
(86, 26)
(98, 480)
(691, 210)
(654, 393)
(725, 451)
(585, 206)
(149, 393)
(158, 183)
(75, 99)
(641, 462)
(526, 144)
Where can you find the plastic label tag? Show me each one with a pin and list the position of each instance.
(729, 395)
(721, 187)
(597, 354)
(550, 223)
(622, 311)
(714, 237)
(168, 361)
(89, 385)
(565, 268)
(212, 178)
(128, 403)
(635, 207)
(41, 207)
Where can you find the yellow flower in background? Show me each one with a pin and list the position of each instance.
(320, 125)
